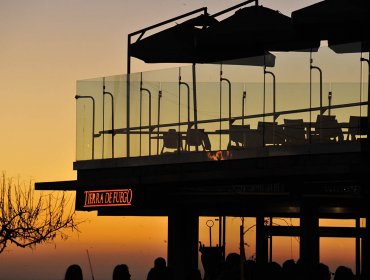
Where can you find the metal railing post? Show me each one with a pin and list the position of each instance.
(93, 122)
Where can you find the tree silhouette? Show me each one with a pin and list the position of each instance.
(27, 220)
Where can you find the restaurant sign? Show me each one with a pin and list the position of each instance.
(100, 198)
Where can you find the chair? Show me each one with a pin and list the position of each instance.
(171, 140)
(357, 126)
(238, 134)
(327, 129)
(294, 131)
(196, 138)
(273, 133)
(254, 138)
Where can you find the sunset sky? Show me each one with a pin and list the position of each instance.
(45, 46)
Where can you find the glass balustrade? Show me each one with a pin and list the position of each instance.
(227, 111)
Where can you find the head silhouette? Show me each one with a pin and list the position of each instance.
(160, 262)
(323, 272)
(343, 273)
(121, 272)
(73, 272)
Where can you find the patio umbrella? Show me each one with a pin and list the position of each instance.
(253, 30)
(181, 44)
(188, 43)
(178, 44)
(242, 39)
(344, 23)
(341, 22)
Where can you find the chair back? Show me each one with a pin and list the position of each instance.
(273, 133)
(328, 128)
(357, 126)
(196, 138)
(238, 133)
(171, 139)
(294, 131)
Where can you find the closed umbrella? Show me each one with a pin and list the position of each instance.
(253, 30)
(341, 22)
(178, 44)
(183, 44)
(244, 38)
(344, 23)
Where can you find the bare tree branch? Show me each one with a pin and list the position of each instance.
(26, 220)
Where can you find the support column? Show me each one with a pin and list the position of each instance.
(182, 243)
(358, 248)
(261, 241)
(365, 249)
(310, 240)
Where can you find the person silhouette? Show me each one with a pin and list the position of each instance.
(159, 271)
(289, 270)
(121, 272)
(323, 272)
(73, 272)
(231, 268)
(343, 273)
(193, 274)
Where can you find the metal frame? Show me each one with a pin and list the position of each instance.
(222, 79)
(368, 92)
(280, 113)
(142, 89)
(141, 33)
(274, 115)
(112, 117)
(93, 135)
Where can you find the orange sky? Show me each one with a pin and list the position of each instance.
(45, 46)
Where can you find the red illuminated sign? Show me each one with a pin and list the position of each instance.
(101, 198)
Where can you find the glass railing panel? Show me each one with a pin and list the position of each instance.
(88, 119)
(338, 88)
(114, 116)
(135, 137)
(159, 104)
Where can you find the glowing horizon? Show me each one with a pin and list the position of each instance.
(46, 46)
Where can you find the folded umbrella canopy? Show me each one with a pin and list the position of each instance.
(253, 30)
(250, 32)
(244, 38)
(178, 44)
(187, 42)
(341, 22)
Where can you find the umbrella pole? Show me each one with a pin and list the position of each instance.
(310, 124)
(220, 108)
(128, 95)
(243, 105)
(179, 111)
(195, 97)
(103, 116)
(264, 107)
(140, 111)
(158, 116)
